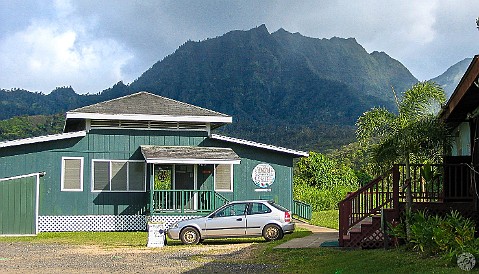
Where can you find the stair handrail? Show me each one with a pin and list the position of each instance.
(219, 200)
(348, 218)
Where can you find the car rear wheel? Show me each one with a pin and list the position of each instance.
(190, 236)
(272, 232)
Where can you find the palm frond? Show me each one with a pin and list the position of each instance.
(374, 124)
(422, 99)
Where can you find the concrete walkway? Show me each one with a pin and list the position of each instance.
(319, 236)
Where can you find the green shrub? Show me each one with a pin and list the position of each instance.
(326, 218)
(322, 182)
(322, 172)
(321, 199)
(446, 236)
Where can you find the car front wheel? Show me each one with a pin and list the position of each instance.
(272, 232)
(190, 236)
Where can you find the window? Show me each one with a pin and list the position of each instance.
(232, 210)
(72, 174)
(115, 176)
(224, 177)
(259, 208)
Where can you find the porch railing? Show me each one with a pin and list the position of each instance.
(302, 210)
(197, 202)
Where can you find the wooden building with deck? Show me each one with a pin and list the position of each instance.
(453, 186)
(142, 155)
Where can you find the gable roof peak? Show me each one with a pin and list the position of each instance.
(146, 103)
(145, 107)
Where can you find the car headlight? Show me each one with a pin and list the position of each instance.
(175, 225)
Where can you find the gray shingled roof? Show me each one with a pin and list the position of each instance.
(147, 104)
(166, 153)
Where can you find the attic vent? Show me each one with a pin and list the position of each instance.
(148, 125)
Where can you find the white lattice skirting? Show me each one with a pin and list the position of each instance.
(102, 222)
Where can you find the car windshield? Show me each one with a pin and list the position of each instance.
(278, 206)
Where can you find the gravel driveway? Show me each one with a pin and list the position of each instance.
(58, 258)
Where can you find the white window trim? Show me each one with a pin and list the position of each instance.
(232, 182)
(63, 174)
(127, 175)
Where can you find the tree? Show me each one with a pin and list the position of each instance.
(322, 182)
(414, 132)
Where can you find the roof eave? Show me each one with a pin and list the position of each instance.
(41, 139)
(198, 161)
(260, 145)
(145, 117)
(460, 91)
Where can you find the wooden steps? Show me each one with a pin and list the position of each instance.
(366, 234)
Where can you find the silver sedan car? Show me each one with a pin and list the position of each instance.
(236, 219)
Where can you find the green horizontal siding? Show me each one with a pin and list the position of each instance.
(117, 144)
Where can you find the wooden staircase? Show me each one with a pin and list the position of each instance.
(367, 234)
(363, 214)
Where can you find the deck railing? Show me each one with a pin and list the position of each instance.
(429, 184)
(445, 182)
(302, 210)
(197, 202)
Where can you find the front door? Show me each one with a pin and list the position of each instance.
(180, 184)
(185, 180)
(163, 180)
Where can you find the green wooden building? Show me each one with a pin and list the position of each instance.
(140, 156)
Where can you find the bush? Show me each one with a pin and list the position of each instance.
(320, 171)
(446, 236)
(322, 182)
(326, 218)
(321, 198)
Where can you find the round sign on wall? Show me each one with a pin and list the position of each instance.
(263, 175)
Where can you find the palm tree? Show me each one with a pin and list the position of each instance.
(413, 132)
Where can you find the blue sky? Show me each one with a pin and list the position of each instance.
(91, 45)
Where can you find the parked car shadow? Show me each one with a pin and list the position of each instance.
(223, 241)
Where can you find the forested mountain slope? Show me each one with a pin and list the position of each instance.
(281, 88)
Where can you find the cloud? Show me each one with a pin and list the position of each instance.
(427, 36)
(93, 44)
(51, 53)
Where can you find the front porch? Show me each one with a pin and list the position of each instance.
(185, 202)
(202, 202)
(438, 188)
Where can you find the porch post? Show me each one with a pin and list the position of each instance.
(396, 187)
(152, 188)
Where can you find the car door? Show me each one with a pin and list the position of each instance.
(258, 216)
(228, 222)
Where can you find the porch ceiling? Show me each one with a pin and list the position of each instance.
(189, 155)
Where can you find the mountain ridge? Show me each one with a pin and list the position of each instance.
(279, 87)
(451, 77)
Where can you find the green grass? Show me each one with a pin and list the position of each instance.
(327, 218)
(334, 260)
(108, 239)
(307, 260)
